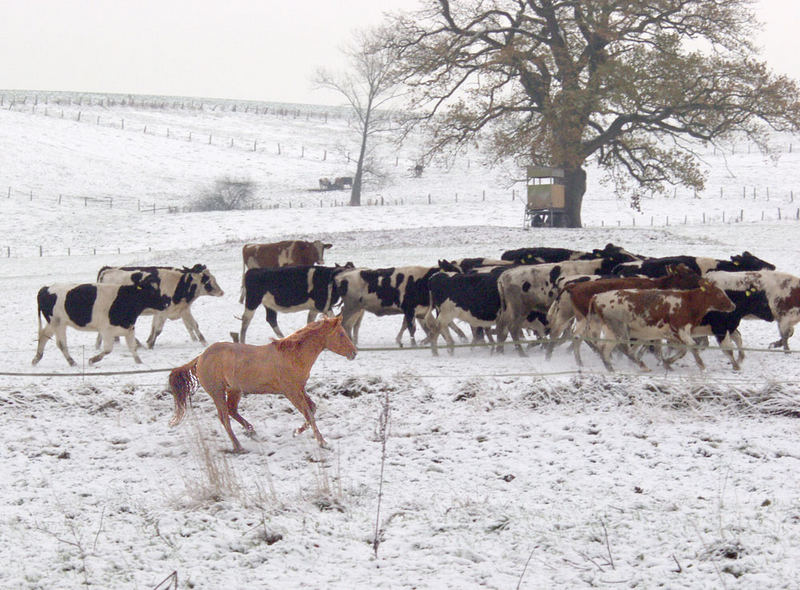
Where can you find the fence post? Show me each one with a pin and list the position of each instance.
(40, 251)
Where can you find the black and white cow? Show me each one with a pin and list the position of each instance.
(751, 302)
(545, 255)
(289, 289)
(110, 310)
(182, 285)
(471, 297)
(657, 267)
(385, 291)
(782, 292)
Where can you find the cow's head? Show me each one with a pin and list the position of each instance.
(746, 261)
(320, 248)
(210, 283)
(715, 297)
(148, 293)
(448, 266)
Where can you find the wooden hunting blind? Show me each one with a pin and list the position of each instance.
(546, 198)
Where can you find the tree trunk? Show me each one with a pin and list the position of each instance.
(355, 192)
(574, 189)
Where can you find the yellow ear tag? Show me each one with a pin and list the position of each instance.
(703, 289)
(735, 263)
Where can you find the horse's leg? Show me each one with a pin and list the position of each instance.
(307, 408)
(272, 319)
(217, 393)
(233, 410)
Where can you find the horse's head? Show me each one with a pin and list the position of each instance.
(338, 341)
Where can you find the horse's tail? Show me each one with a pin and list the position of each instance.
(182, 383)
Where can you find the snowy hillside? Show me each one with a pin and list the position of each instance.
(498, 472)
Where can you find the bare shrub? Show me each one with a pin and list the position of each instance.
(228, 194)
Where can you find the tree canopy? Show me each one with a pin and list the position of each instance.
(633, 85)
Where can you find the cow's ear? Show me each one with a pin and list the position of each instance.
(326, 246)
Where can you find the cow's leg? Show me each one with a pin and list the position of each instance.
(351, 316)
(108, 345)
(459, 332)
(685, 336)
(247, 316)
(192, 327)
(786, 329)
(155, 329)
(61, 342)
(432, 325)
(312, 315)
(726, 344)
(604, 339)
(736, 336)
(272, 320)
(44, 335)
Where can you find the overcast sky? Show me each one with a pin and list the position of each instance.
(246, 49)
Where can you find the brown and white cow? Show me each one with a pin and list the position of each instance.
(284, 253)
(572, 303)
(618, 317)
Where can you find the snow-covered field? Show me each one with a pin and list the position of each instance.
(496, 471)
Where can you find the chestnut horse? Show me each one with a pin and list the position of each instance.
(226, 370)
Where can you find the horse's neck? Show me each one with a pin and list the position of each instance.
(311, 348)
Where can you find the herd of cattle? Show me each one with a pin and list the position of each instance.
(609, 298)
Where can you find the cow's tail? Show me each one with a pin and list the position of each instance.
(182, 383)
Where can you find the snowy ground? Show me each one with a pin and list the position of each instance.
(498, 471)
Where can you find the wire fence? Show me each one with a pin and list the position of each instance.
(734, 378)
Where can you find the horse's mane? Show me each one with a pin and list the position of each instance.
(292, 341)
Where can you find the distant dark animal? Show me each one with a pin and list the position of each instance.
(289, 289)
(110, 310)
(621, 317)
(544, 255)
(657, 267)
(182, 285)
(227, 370)
(325, 184)
(285, 253)
(341, 182)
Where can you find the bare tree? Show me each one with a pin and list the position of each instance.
(633, 85)
(367, 87)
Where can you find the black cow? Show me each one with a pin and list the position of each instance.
(472, 264)
(110, 310)
(471, 297)
(750, 302)
(657, 267)
(289, 289)
(544, 255)
(182, 285)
